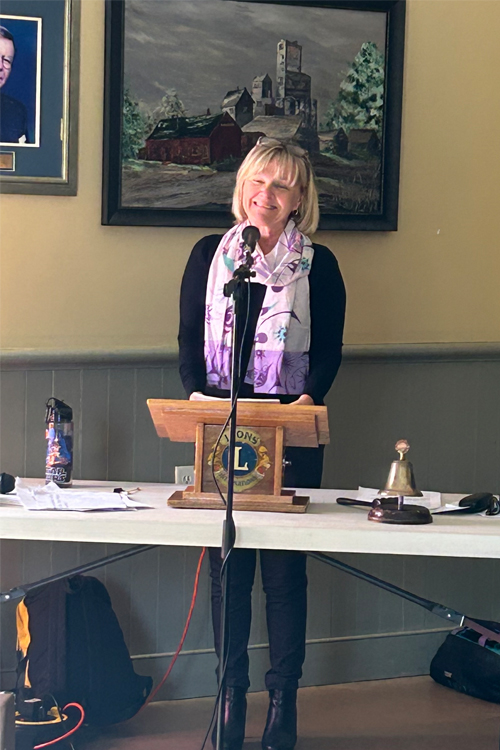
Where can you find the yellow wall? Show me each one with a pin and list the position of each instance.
(67, 283)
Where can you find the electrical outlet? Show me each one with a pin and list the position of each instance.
(184, 474)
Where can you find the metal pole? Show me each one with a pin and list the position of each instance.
(446, 613)
(19, 591)
(229, 530)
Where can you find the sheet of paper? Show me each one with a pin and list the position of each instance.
(51, 497)
(455, 506)
(448, 506)
(202, 397)
(10, 499)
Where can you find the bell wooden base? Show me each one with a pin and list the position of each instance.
(287, 502)
(408, 514)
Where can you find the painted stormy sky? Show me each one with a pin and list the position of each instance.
(204, 48)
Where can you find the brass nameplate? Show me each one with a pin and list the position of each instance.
(8, 161)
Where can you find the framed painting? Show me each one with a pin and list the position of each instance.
(190, 86)
(39, 42)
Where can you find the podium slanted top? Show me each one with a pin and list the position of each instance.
(305, 426)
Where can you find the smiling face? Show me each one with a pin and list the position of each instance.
(6, 59)
(269, 198)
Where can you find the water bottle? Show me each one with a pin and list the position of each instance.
(59, 434)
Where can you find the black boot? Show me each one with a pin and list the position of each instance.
(281, 726)
(235, 713)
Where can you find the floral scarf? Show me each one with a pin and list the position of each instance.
(279, 362)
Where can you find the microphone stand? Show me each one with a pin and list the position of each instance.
(235, 289)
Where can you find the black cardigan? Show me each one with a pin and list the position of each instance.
(327, 301)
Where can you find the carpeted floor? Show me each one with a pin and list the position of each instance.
(401, 714)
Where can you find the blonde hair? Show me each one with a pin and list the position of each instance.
(292, 164)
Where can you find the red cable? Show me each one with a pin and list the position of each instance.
(183, 638)
(72, 731)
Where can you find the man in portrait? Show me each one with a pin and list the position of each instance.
(13, 116)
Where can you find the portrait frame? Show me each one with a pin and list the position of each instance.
(47, 163)
(119, 211)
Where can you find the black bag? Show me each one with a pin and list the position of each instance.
(71, 646)
(470, 663)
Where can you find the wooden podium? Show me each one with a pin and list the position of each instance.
(263, 431)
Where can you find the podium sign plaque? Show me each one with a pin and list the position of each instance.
(262, 433)
(255, 461)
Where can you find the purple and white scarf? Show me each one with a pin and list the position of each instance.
(279, 362)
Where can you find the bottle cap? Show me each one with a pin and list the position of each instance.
(57, 411)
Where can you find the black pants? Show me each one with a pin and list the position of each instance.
(285, 585)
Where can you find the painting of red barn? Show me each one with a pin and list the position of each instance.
(202, 140)
(192, 84)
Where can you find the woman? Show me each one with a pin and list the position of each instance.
(292, 353)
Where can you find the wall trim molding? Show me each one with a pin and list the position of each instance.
(431, 352)
(16, 359)
(20, 359)
(328, 663)
(309, 642)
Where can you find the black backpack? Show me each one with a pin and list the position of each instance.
(470, 663)
(71, 647)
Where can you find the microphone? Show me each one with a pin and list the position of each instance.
(251, 236)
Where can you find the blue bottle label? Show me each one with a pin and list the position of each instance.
(59, 462)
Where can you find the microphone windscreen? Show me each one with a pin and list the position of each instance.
(251, 236)
(7, 483)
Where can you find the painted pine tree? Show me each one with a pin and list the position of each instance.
(133, 127)
(360, 100)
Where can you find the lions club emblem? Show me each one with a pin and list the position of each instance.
(251, 460)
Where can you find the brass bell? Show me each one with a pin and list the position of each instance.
(401, 480)
(400, 483)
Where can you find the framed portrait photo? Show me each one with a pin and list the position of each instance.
(191, 85)
(38, 96)
(20, 39)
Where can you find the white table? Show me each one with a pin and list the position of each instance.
(326, 527)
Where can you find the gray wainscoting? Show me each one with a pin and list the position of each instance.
(444, 399)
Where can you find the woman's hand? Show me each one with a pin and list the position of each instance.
(303, 400)
(197, 396)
